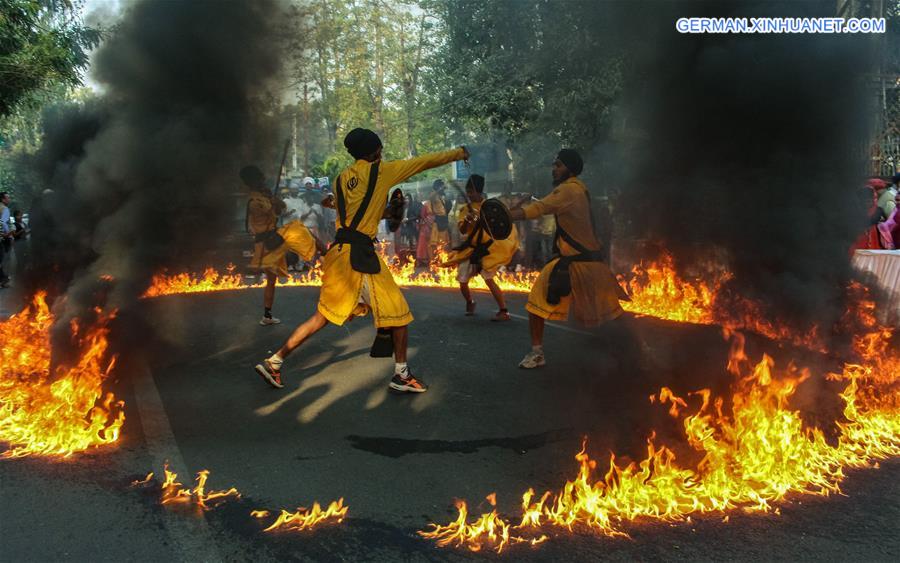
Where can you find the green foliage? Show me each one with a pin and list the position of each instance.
(43, 50)
(363, 64)
(42, 43)
(22, 132)
(537, 74)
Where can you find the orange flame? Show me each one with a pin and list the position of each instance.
(172, 493)
(303, 518)
(752, 457)
(657, 290)
(404, 273)
(58, 417)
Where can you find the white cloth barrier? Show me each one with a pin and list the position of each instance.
(885, 266)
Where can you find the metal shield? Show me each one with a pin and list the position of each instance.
(496, 219)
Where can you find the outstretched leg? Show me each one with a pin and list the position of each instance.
(309, 327)
(270, 368)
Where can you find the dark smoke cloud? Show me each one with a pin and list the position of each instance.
(142, 178)
(750, 148)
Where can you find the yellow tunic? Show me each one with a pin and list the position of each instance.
(595, 291)
(341, 284)
(500, 252)
(261, 217)
(438, 237)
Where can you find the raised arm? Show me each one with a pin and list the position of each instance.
(397, 171)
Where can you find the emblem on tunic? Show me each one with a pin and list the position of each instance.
(352, 183)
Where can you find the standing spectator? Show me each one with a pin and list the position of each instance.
(413, 211)
(20, 238)
(397, 235)
(868, 208)
(423, 246)
(440, 229)
(311, 214)
(6, 237)
(886, 194)
(890, 229)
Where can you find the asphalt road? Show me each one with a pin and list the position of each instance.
(399, 460)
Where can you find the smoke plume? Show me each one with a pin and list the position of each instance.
(750, 150)
(143, 177)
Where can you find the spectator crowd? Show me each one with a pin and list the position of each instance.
(13, 239)
(881, 200)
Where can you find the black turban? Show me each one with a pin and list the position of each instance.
(361, 143)
(572, 160)
(477, 183)
(252, 176)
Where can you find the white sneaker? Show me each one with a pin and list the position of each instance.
(266, 321)
(532, 360)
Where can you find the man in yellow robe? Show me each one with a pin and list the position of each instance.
(271, 244)
(577, 278)
(480, 253)
(355, 279)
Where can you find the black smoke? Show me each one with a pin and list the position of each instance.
(750, 150)
(142, 178)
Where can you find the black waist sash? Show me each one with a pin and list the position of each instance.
(479, 249)
(560, 283)
(362, 247)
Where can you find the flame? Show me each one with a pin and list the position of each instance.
(143, 481)
(303, 518)
(67, 413)
(405, 273)
(754, 453)
(171, 491)
(657, 290)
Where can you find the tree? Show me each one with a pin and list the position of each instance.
(42, 43)
(362, 63)
(538, 74)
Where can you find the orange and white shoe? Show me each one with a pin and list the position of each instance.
(408, 384)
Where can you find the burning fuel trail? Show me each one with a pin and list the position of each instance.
(60, 411)
(755, 451)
